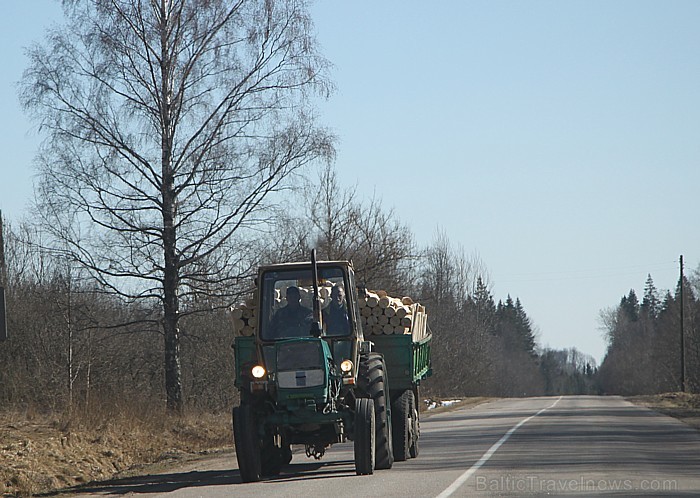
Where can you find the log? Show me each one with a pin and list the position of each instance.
(372, 299)
(384, 302)
(238, 325)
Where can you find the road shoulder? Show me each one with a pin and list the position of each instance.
(682, 406)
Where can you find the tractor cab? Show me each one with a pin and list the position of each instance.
(305, 310)
(287, 294)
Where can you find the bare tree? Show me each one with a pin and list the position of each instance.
(346, 227)
(169, 125)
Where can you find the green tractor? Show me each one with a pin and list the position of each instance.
(308, 376)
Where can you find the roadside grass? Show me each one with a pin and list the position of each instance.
(40, 453)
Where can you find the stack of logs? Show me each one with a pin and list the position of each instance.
(381, 314)
(384, 315)
(244, 316)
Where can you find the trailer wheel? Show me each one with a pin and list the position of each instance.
(415, 427)
(364, 436)
(245, 435)
(401, 421)
(372, 380)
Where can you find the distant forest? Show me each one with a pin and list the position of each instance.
(644, 340)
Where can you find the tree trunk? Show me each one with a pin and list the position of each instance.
(171, 305)
(171, 276)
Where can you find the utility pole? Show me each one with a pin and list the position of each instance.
(682, 331)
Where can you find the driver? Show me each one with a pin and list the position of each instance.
(293, 318)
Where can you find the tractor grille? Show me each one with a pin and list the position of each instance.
(300, 364)
(300, 378)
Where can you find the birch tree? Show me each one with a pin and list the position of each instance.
(170, 125)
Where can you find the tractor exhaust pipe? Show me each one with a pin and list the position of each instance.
(317, 325)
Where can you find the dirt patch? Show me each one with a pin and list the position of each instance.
(683, 406)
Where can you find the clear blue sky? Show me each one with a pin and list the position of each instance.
(559, 140)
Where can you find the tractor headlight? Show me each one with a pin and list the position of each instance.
(346, 366)
(258, 372)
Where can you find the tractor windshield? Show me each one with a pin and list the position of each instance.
(287, 303)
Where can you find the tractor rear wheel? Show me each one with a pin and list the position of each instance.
(364, 436)
(373, 381)
(245, 435)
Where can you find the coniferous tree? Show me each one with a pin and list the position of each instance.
(650, 302)
(525, 329)
(483, 306)
(629, 305)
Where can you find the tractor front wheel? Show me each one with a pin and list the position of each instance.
(364, 436)
(245, 435)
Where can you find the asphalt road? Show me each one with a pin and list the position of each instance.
(576, 445)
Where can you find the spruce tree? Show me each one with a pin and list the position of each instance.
(483, 304)
(629, 306)
(650, 302)
(524, 328)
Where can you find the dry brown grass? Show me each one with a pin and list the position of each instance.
(40, 453)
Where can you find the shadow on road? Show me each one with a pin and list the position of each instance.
(158, 483)
(315, 470)
(166, 483)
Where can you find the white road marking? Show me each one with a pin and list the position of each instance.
(485, 458)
